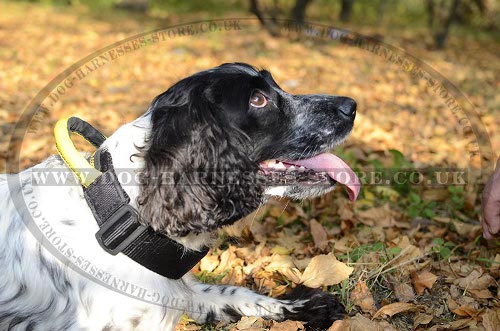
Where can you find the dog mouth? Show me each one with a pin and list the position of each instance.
(322, 169)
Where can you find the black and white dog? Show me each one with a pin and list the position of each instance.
(230, 119)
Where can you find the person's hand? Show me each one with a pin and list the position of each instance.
(491, 205)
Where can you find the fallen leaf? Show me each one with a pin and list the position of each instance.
(463, 323)
(325, 270)
(482, 294)
(279, 262)
(422, 319)
(403, 292)
(292, 274)
(319, 234)
(360, 323)
(491, 319)
(467, 230)
(475, 281)
(452, 304)
(209, 263)
(465, 311)
(246, 322)
(287, 326)
(191, 327)
(395, 308)
(340, 325)
(423, 280)
(383, 216)
(362, 297)
(226, 260)
(280, 250)
(302, 264)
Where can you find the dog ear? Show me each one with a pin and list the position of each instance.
(198, 175)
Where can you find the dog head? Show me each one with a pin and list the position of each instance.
(225, 138)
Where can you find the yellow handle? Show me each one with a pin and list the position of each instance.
(85, 172)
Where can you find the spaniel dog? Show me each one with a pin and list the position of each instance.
(210, 150)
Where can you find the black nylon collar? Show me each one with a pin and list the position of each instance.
(119, 228)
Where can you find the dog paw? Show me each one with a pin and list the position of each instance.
(315, 308)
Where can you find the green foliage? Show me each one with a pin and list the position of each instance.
(457, 196)
(359, 251)
(385, 254)
(417, 207)
(210, 277)
(208, 6)
(442, 247)
(399, 160)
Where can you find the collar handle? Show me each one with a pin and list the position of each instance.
(84, 171)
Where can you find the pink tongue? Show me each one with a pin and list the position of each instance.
(336, 168)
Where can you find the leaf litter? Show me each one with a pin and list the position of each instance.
(402, 257)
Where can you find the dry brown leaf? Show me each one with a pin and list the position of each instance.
(362, 297)
(259, 231)
(290, 240)
(280, 250)
(475, 281)
(342, 245)
(325, 270)
(340, 325)
(344, 209)
(403, 292)
(287, 326)
(423, 280)
(463, 323)
(279, 262)
(292, 274)
(422, 319)
(226, 260)
(319, 234)
(467, 230)
(209, 263)
(465, 311)
(360, 323)
(395, 308)
(301, 264)
(455, 325)
(191, 327)
(234, 276)
(382, 216)
(247, 322)
(452, 304)
(482, 294)
(491, 319)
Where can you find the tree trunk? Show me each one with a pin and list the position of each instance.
(266, 23)
(133, 5)
(442, 35)
(299, 10)
(345, 11)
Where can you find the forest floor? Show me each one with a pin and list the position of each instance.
(404, 256)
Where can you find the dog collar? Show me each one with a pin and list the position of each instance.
(119, 228)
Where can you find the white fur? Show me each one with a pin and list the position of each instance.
(42, 291)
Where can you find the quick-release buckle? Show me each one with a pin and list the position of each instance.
(119, 230)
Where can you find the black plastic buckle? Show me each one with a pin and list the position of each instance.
(114, 236)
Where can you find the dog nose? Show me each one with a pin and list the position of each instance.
(347, 106)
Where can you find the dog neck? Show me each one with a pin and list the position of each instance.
(124, 146)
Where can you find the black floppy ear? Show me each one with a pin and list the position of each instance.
(198, 175)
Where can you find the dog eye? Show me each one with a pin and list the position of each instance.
(258, 100)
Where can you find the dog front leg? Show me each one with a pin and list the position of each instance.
(315, 308)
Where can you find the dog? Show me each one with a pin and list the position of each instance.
(232, 120)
